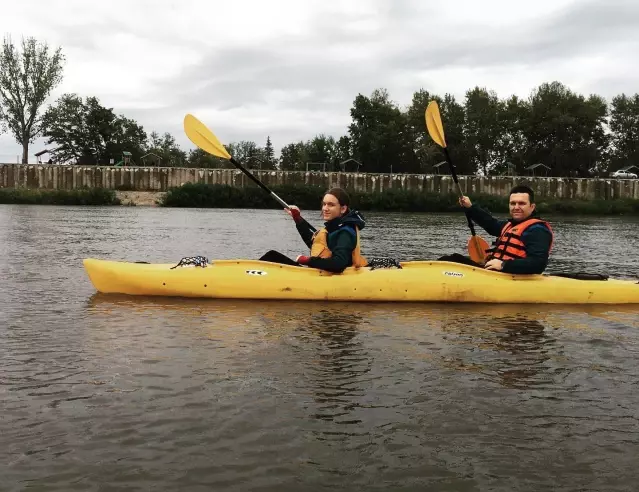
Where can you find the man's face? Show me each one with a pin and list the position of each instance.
(520, 206)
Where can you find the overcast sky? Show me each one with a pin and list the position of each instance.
(291, 69)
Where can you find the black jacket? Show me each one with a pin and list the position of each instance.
(537, 240)
(342, 239)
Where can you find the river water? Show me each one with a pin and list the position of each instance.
(119, 393)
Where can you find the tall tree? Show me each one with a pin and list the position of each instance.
(565, 131)
(511, 144)
(483, 128)
(427, 153)
(379, 134)
(88, 133)
(624, 125)
(343, 151)
(27, 77)
(269, 155)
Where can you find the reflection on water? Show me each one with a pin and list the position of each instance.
(193, 394)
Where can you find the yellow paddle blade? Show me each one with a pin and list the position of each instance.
(477, 247)
(434, 124)
(204, 138)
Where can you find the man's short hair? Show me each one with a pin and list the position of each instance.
(524, 189)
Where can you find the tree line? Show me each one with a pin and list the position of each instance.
(572, 134)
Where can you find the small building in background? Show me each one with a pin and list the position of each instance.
(538, 169)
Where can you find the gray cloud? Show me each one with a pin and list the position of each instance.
(294, 83)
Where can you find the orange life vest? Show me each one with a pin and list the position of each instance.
(509, 245)
(319, 248)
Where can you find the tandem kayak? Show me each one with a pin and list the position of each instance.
(416, 281)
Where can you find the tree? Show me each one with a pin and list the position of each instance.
(198, 158)
(483, 128)
(624, 125)
(167, 149)
(26, 80)
(247, 153)
(269, 155)
(427, 153)
(343, 151)
(321, 148)
(565, 130)
(379, 134)
(88, 133)
(294, 156)
(512, 144)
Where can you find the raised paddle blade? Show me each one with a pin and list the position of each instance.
(204, 138)
(434, 124)
(477, 247)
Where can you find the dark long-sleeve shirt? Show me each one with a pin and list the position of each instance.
(536, 238)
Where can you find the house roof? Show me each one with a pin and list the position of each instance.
(535, 166)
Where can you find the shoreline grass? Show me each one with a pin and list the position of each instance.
(309, 197)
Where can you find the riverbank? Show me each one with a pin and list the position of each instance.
(85, 196)
(306, 197)
(309, 197)
(140, 198)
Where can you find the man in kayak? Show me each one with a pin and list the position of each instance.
(523, 242)
(335, 246)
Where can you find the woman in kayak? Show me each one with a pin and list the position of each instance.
(335, 246)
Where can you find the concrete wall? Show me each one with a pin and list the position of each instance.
(161, 179)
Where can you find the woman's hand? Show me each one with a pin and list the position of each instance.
(294, 212)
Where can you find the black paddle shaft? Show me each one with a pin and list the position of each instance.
(265, 188)
(461, 193)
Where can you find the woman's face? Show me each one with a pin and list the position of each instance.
(331, 209)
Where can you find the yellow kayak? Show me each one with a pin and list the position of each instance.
(416, 281)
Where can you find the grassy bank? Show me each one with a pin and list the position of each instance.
(84, 196)
(309, 197)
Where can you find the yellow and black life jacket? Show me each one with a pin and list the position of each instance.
(320, 249)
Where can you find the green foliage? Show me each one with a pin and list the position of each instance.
(380, 134)
(269, 155)
(166, 148)
(572, 134)
(624, 125)
(565, 130)
(309, 198)
(87, 133)
(225, 196)
(27, 77)
(200, 159)
(83, 196)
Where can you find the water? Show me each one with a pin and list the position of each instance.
(119, 393)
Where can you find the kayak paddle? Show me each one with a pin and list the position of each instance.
(206, 140)
(477, 246)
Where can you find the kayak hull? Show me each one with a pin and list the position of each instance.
(417, 281)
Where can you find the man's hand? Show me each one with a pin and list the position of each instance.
(494, 265)
(465, 202)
